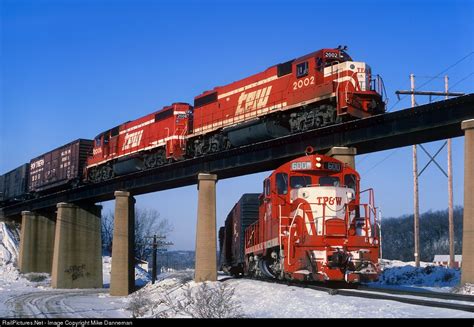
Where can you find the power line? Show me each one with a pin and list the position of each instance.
(458, 82)
(378, 163)
(444, 71)
(434, 77)
(364, 157)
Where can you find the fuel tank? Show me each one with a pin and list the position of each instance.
(254, 131)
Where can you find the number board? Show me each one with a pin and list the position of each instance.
(332, 166)
(306, 165)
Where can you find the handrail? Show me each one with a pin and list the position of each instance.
(289, 232)
(279, 228)
(355, 86)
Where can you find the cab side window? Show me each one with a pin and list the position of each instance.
(282, 183)
(302, 69)
(266, 187)
(350, 181)
(319, 64)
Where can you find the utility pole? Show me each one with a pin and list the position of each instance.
(447, 94)
(450, 192)
(154, 253)
(155, 245)
(415, 186)
(380, 232)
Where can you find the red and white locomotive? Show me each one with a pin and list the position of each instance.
(148, 142)
(312, 91)
(310, 225)
(315, 90)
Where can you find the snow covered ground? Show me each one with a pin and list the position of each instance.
(30, 295)
(176, 295)
(268, 300)
(404, 275)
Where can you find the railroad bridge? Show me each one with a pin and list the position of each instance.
(60, 231)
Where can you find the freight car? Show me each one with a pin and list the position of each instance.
(14, 185)
(311, 225)
(59, 168)
(231, 236)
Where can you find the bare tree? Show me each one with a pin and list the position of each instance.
(107, 231)
(205, 301)
(148, 222)
(139, 304)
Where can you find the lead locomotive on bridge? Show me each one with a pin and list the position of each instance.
(308, 224)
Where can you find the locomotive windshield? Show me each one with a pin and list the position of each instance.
(300, 181)
(282, 183)
(329, 181)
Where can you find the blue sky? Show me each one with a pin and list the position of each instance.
(70, 69)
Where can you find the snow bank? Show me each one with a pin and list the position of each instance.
(431, 276)
(9, 245)
(466, 289)
(404, 275)
(384, 264)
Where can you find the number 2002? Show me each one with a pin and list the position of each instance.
(303, 82)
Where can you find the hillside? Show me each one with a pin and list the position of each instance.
(397, 235)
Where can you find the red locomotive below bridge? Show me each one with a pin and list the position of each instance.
(308, 224)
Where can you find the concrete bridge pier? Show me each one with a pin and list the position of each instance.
(122, 279)
(36, 242)
(206, 243)
(344, 154)
(467, 268)
(77, 258)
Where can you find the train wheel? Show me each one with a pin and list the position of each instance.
(94, 175)
(150, 160)
(265, 267)
(106, 172)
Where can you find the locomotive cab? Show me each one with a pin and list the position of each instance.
(312, 225)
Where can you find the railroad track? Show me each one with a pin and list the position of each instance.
(429, 294)
(416, 298)
(429, 299)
